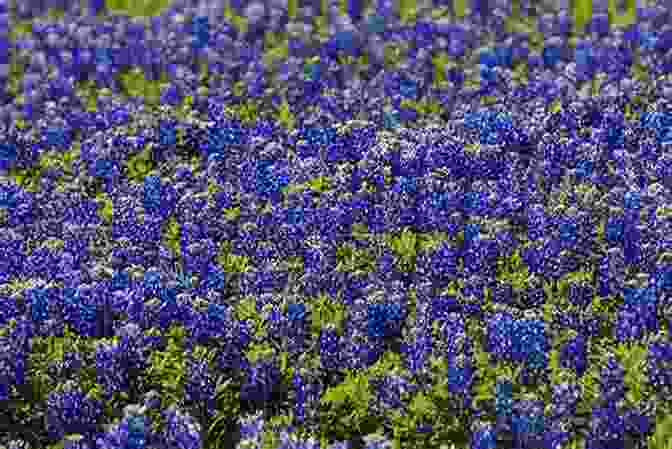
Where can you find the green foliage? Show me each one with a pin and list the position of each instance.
(137, 8)
(582, 11)
(134, 84)
(513, 270)
(389, 363)
(232, 263)
(259, 351)
(346, 408)
(248, 112)
(139, 165)
(44, 351)
(405, 246)
(171, 235)
(486, 375)
(106, 211)
(662, 437)
(285, 116)
(27, 178)
(167, 368)
(246, 309)
(354, 260)
(590, 388)
(325, 311)
(239, 22)
(320, 184)
(185, 109)
(392, 55)
(87, 91)
(431, 406)
(633, 358)
(440, 61)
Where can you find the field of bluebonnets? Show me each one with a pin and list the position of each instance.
(335, 225)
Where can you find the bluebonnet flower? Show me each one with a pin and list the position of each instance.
(262, 377)
(39, 304)
(471, 232)
(565, 399)
(152, 193)
(551, 55)
(182, 430)
(484, 436)
(329, 348)
(612, 384)
(648, 40)
(200, 385)
(167, 133)
(111, 373)
(201, 32)
(384, 319)
(568, 232)
(504, 398)
(8, 196)
(528, 421)
(573, 355)
(151, 282)
(8, 154)
(120, 280)
(391, 119)
(580, 294)
(391, 388)
(606, 428)
(133, 432)
(614, 229)
(418, 351)
(103, 168)
(659, 366)
(71, 411)
(57, 137)
(296, 311)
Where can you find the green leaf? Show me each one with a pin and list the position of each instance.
(285, 116)
(320, 184)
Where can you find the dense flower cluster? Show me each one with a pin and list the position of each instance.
(405, 232)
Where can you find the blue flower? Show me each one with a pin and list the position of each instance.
(167, 134)
(488, 59)
(551, 55)
(632, 200)
(296, 311)
(568, 231)
(406, 185)
(216, 312)
(584, 168)
(104, 56)
(408, 88)
(504, 398)
(391, 119)
(103, 167)
(152, 193)
(615, 229)
(648, 40)
(8, 152)
(376, 23)
(471, 231)
(485, 437)
(504, 56)
(39, 304)
(120, 280)
(7, 197)
(152, 281)
(383, 319)
(56, 137)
